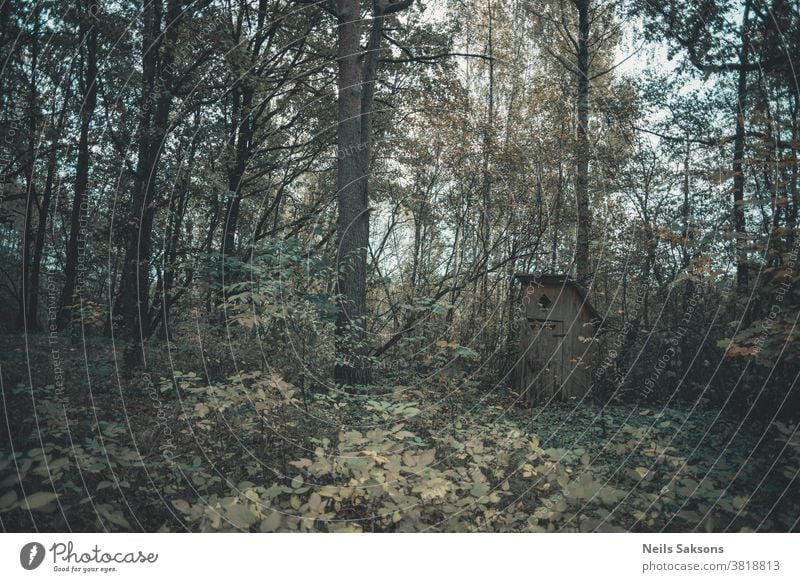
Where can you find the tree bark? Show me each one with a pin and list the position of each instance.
(353, 216)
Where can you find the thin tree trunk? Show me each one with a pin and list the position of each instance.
(486, 189)
(177, 213)
(582, 147)
(686, 209)
(794, 200)
(739, 224)
(30, 187)
(41, 230)
(241, 141)
(78, 218)
(27, 237)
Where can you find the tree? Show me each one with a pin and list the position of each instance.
(88, 36)
(356, 94)
(159, 46)
(704, 32)
(582, 269)
(586, 32)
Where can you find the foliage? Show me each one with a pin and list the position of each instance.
(492, 468)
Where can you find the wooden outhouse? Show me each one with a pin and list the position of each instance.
(558, 330)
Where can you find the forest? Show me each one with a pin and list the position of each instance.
(271, 265)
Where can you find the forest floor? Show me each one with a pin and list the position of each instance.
(254, 452)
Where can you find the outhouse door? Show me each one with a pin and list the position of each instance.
(548, 350)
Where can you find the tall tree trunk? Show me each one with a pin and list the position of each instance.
(77, 218)
(582, 146)
(242, 135)
(686, 208)
(794, 199)
(157, 63)
(41, 229)
(177, 213)
(23, 323)
(356, 95)
(353, 219)
(554, 224)
(739, 225)
(484, 232)
(31, 201)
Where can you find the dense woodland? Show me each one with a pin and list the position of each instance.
(257, 264)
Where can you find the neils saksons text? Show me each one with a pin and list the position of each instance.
(681, 549)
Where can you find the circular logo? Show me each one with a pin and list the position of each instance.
(31, 555)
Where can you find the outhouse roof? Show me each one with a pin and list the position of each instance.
(559, 281)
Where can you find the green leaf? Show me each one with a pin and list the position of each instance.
(113, 515)
(315, 503)
(610, 496)
(271, 523)
(479, 489)
(38, 500)
(739, 502)
(240, 516)
(8, 499)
